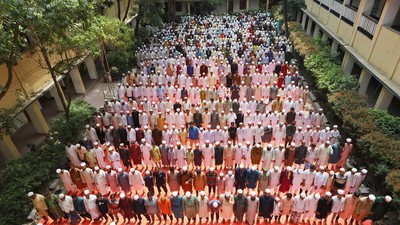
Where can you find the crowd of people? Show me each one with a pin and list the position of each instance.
(216, 123)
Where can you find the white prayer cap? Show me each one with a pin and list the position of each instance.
(87, 126)
(241, 166)
(247, 142)
(108, 143)
(327, 128)
(269, 146)
(108, 167)
(335, 126)
(329, 194)
(228, 194)
(165, 127)
(217, 143)
(211, 169)
(96, 143)
(388, 198)
(136, 197)
(253, 193)
(340, 192)
(371, 197)
(364, 171)
(229, 142)
(253, 168)
(30, 194)
(86, 192)
(175, 193)
(302, 195)
(111, 148)
(122, 195)
(78, 145)
(317, 196)
(300, 170)
(332, 172)
(120, 170)
(281, 145)
(221, 174)
(132, 170)
(188, 194)
(215, 204)
(289, 168)
(327, 142)
(202, 193)
(230, 172)
(293, 144)
(354, 170)
(321, 167)
(240, 144)
(308, 126)
(348, 140)
(147, 172)
(113, 223)
(145, 127)
(207, 141)
(342, 170)
(277, 199)
(276, 168)
(208, 126)
(96, 168)
(258, 145)
(111, 127)
(122, 144)
(61, 196)
(143, 140)
(268, 191)
(184, 168)
(58, 171)
(83, 164)
(240, 191)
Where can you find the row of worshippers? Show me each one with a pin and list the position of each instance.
(250, 209)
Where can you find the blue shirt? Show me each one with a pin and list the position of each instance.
(193, 133)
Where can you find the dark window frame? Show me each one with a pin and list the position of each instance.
(243, 5)
(377, 9)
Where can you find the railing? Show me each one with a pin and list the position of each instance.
(326, 4)
(337, 7)
(349, 15)
(367, 26)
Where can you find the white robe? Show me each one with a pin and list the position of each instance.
(180, 157)
(252, 209)
(320, 180)
(73, 155)
(91, 206)
(88, 178)
(323, 154)
(297, 180)
(337, 204)
(203, 207)
(101, 181)
(115, 160)
(67, 181)
(239, 155)
(247, 156)
(136, 181)
(100, 157)
(274, 177)
(267, 158)
(278, 157)
(146, 153)
(208, 154)
(229, 183)
(311, 207)
(226, 207)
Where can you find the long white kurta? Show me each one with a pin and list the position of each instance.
(101, 181)
(226, 206)
(278, 157)
(88, 178)
(247, 156)
(100, 157)
(311, 207)
(267, 158)
(274, 177)
(350, 181)
(180, 157)
(239, 155)
(252, 209)
(229, 182)
(146, 153)
(136, 181)
(73, 155)
(115, 159)
(323, 154)
(320, 180)
(337, 204)
(308, 179)
(208, 153)
(67, 181)
(299, 205)
(203, 207)
(297, 180)
(91, 206)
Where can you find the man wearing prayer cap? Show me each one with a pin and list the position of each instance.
(40, 205)
(88, 177)
(380, 207)
(90, 204)
(350, 203)
(266, 205)
(363, 208)
(324, 207)
(177, 206)
(323, 153)
(344, 155)
(67, 206)
(252, 208)
(65, 178)
(186, 179)
(203, 206)
(190, 206)
(337, 205)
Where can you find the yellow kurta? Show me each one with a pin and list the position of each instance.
(40, 205)
(183, 137)
(155, 153)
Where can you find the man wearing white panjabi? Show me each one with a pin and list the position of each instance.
(136, 181)
(91, 132)
(298, 209)
(278, 155)
(88, 177)
(238, 154)
(180, 155)
(323, 153)
(226, 206)
(247, 154)
(208, 154)
(203, 206)
(320, 179)
(274, 178)
(267, 157)
(101, 180)
(253, 204)
(65, 178)
(72, 154)
(90, 204)
(351, 179)
(359, 178)
(298, 177)
(114, 158)
(145, 147)
(337, 205)
(230, 181)
(279, 133)
(311, 207)
(99, 152)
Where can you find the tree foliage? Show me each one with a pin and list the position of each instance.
(149, 12)
(207, 6)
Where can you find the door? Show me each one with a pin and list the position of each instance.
(230, 7)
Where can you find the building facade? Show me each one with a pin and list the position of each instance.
(366, 33)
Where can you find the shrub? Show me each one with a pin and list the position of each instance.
(388, 124)
(302, 43)
(34, 171)
(393, 181)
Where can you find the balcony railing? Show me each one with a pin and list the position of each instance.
(349, 15)
(326, 4)
(337, 8)
(367, 26)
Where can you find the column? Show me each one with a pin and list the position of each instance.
(348, 63)
(54, 94)
(309, 25)
(316, 31)
(188, 8)
(335, 46)
(384, 99)
(303, 22)
(91, 67)
(247, 5)
(77, 81)
(365, 77)
(298, 16)
(8, 148)
(36, 118)
(324, 36)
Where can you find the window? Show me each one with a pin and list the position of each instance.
(355, 3)
(396, 21)
(377, 9)
(178, 6)
(243, 5)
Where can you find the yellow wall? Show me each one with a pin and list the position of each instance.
(113, 10)
(345, 31)
(396, 74)
(315, 8)
(323, 15)
(385, 54)
(362, 44)
(333, 22)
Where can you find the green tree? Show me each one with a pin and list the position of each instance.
(149, 12)
(289, 10)
(207, 6)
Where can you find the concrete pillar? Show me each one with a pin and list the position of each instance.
(335, 46)
(303, 22)
(54, 94)
(309, 25)
(36, 118)
(77, 81)
(247, 5)
(188, 8)
(384, 99)
(91, 67)
(365, 77)
(298, 18)
(324, 36)
(8, 148)
(348, 63)
(316, 31)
